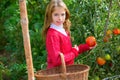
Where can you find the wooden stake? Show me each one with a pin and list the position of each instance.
(26, 39)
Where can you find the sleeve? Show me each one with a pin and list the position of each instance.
(71, 55)
(83, 48)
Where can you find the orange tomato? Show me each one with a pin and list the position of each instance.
(101, 61)
(105, 39)
(91, 41)
(108, 32)
(116, 31)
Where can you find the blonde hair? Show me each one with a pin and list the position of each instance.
(48, 16)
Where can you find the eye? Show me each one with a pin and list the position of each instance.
(63, 14)
(55, 14)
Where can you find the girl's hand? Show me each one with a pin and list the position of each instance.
(93, 47)
(76, 47)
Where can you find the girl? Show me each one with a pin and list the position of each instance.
(56, 32)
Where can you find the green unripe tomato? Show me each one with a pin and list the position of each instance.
(96, 78)
(107, 57)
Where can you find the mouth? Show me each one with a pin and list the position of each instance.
(59, 22)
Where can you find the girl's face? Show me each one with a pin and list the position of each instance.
(58, 16)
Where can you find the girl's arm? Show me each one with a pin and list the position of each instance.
(83, 48)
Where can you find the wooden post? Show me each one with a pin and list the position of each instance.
(26, 38)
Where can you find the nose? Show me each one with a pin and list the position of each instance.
(60, 18)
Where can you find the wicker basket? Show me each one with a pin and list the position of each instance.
(71, 72)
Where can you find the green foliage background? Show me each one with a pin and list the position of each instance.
(88, 17)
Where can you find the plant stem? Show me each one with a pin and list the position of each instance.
(107, 20)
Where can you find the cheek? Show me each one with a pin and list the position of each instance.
(64, 18)
(53, 17)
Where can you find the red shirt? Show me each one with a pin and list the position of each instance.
(56, 42)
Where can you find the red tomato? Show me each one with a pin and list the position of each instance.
(91, 41)
(116, 31)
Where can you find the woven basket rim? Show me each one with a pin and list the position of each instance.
(86, 70)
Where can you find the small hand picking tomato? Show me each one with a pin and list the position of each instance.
(91, 41)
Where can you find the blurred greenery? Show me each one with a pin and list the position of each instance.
(88, 17)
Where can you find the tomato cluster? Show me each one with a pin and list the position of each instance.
(102, 60)
(107, 57)
(115, 31)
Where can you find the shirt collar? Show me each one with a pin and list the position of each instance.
(58, 28)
